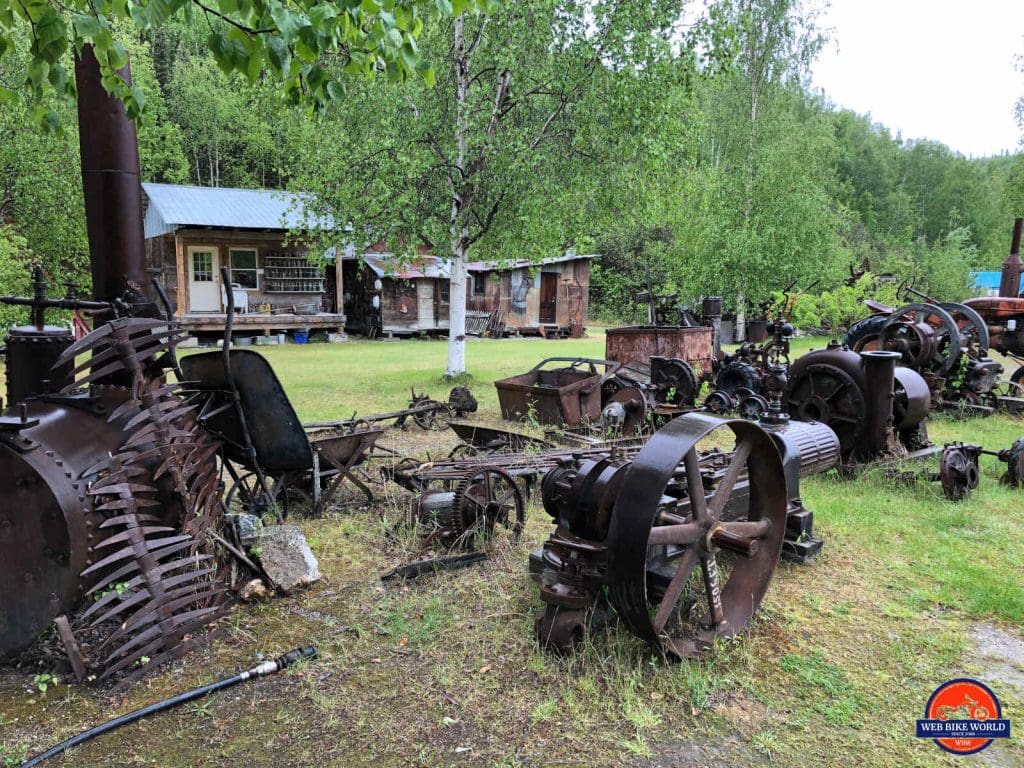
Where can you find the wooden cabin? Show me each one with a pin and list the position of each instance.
(551, 298)
(191, 232)
(395, 297)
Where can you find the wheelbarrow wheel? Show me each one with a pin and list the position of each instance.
(247, 496)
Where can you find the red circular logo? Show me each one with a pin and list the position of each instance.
(963, 700)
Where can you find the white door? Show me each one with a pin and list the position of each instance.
(203, 280)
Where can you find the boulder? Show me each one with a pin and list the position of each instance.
(286, 557)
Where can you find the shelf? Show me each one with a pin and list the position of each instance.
(317, 293)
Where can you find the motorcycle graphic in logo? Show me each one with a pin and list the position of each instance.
(963, 717)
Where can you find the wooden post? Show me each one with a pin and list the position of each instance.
(182, 293)
(339, 284)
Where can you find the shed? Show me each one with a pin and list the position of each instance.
(191, 232)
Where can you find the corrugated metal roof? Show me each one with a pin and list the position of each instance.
(172, 207)
(490, 266)
(424, 266)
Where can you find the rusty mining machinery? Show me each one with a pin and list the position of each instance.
(107, 481)
(681, 540)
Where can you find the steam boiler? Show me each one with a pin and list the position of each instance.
(107, 481)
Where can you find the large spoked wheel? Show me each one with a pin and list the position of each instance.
(247, 496)
(691, 558)
(926, 336)
(828, 394)
(973, 328)
(489, 508)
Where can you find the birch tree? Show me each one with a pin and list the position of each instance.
(494, 160)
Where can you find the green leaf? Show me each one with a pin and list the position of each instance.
(288, 23)
(87, 26)
(278, 54)
(429, 77)
(443, 7)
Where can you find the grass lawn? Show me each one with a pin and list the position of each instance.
(444, 670)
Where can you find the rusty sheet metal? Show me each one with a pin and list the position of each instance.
(567, 395)
(637, 344)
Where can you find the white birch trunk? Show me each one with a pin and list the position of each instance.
(456, 228)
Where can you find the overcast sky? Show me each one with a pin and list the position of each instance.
(935, 69)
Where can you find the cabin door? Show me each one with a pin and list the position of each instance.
(203, 284)
(548, 297)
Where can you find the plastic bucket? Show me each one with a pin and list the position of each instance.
(300, 337)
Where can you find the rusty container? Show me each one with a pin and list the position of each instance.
(568, 395)
(711, 306)
(757, 331)
(637, 344)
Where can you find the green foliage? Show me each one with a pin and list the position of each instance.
(15, 260)
(838, 308)
(285, 42)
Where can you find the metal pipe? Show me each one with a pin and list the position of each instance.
(879, 375)
(110, 181)
(1009, 280)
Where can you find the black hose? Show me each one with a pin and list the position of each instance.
(261, 670)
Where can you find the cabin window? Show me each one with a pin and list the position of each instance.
(479, 283)
(445, 291)
(243, 268)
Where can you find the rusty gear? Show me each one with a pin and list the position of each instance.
(485, 499)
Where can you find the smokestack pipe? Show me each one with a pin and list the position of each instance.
(1009, 281)
(879, 374)
(110, 182)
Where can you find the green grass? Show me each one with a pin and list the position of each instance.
(444, 670)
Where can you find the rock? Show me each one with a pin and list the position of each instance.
(254, 591)
(287, 558)
(248, 529)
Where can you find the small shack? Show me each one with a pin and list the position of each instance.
(385, 295)
(191, 232)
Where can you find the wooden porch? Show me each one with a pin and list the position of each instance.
(257, 323)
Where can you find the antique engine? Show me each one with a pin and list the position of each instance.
(874, 406)
(108, 483)
(682, 541)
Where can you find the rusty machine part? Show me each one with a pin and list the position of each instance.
(945, 342)
(486, 506)
(120, 515)
(958, 470)
(568, 395)
(628, 411)
(674, 381)
(876, 408)
(109, 482)
(1014, 458)
(749, 379)
(461, 402)
(682, 542)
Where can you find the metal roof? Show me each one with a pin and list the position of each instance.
(424, 266)
(172, 206)
(503, 266)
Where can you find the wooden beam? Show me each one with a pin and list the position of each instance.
(179, 256)
(339, 283)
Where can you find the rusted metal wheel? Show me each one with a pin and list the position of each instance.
(719, 402)
(973, 328)
(690, 557)
(435, 419)
(958, 473)
(752, 406)
(246, 496)
(826, 393)
(926, 336)
(488, 506)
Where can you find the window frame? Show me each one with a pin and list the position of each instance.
(482, 278)
(255, 268)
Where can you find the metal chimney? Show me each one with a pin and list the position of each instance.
(1009, 282)
(110, 181)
